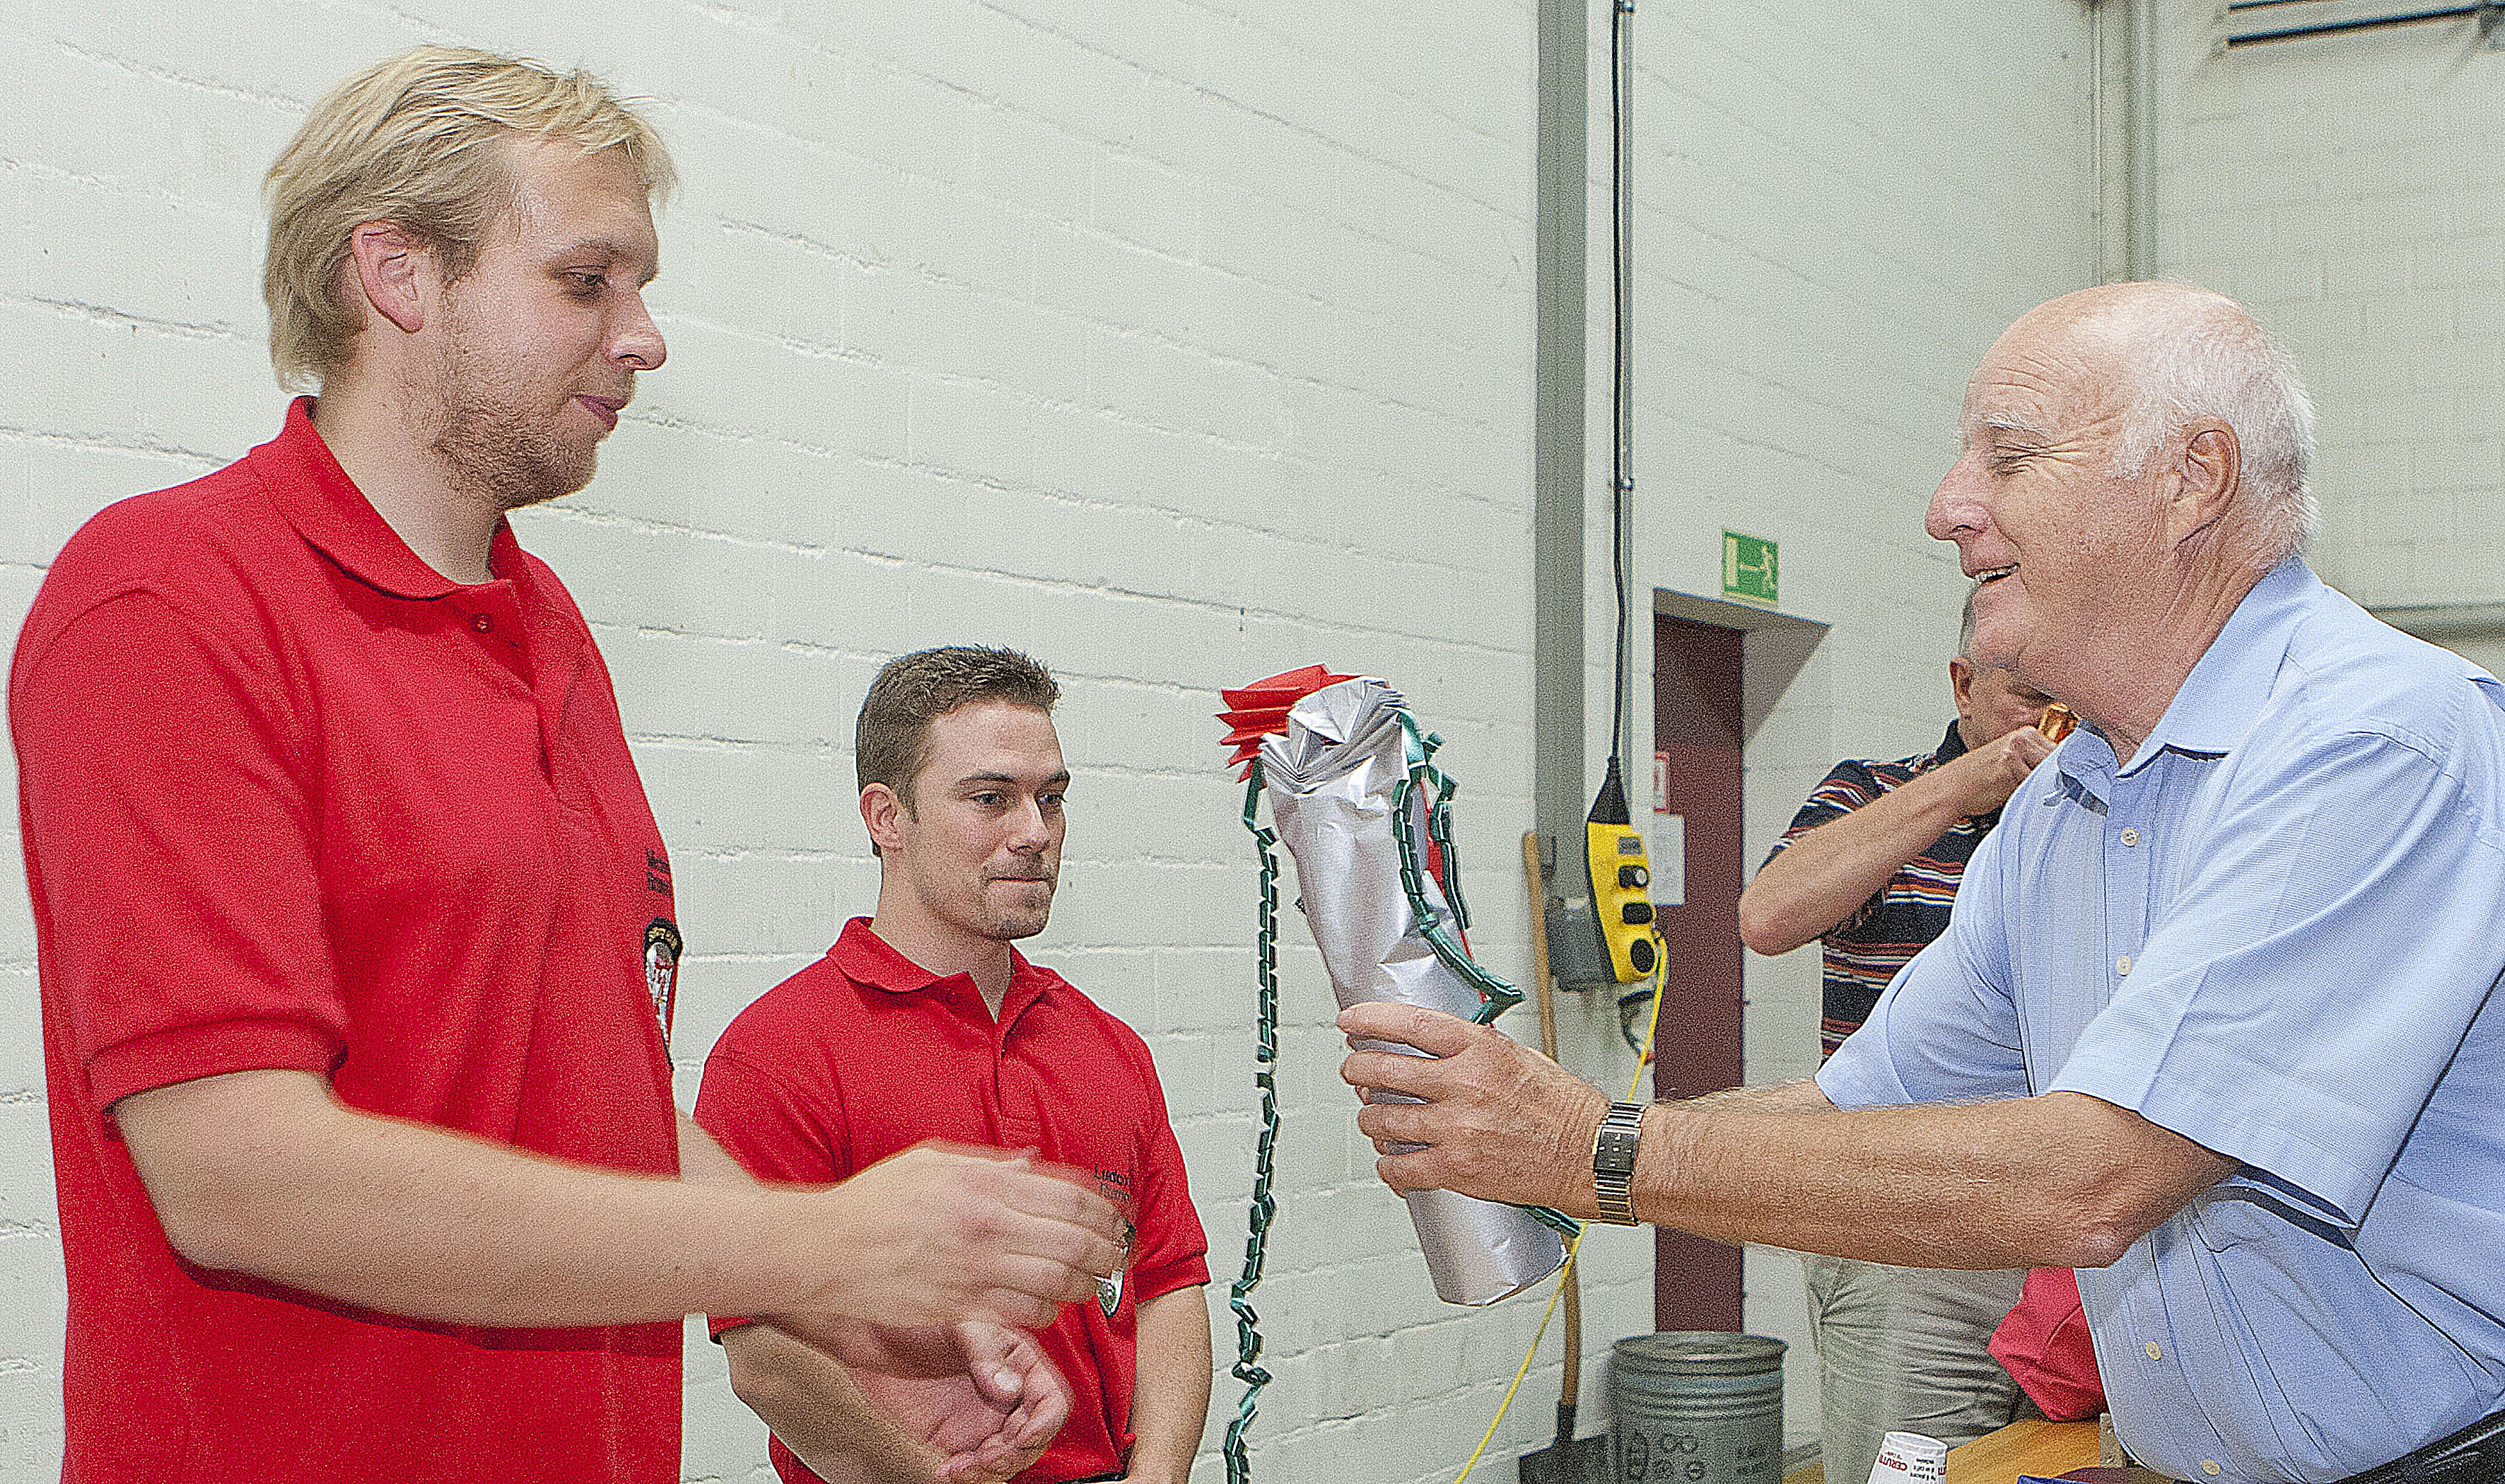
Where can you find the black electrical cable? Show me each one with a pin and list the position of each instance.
(1621, 475)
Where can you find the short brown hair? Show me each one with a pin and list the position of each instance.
(891, 735)
(418, 140)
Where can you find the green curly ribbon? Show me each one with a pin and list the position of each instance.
(1496, 996)
(1266, 1058)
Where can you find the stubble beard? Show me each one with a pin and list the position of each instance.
(1011, 924)
(497, 449)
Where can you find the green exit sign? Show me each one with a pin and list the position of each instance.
(1748, 568)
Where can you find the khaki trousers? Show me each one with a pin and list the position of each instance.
(1902, 1348)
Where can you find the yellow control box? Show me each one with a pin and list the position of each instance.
(1621, 898)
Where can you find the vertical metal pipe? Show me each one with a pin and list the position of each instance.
(2106, 208)
(1560, 313)
(2109, 109)
(2141, 260)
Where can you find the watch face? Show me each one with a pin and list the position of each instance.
(1613, 1151)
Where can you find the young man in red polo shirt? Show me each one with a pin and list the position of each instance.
(355, 933)
(921, 1022)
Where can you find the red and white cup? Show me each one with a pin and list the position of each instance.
(1910, 1458)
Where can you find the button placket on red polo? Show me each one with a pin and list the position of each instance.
(489, 615)
(1019, 1124)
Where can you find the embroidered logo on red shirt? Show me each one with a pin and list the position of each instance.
(1109, 1289)
(1116, 1187)
(661, 968)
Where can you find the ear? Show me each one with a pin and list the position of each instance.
(2212, 463)
(1960, 681)
(388, 262)
(880, 810)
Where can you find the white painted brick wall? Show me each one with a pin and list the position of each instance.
(1181, 340)
(1115, 330)
(1837, 214)
(2350, 189)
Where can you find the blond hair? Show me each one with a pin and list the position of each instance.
(416, 140)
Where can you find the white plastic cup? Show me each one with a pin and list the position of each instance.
(1910, 1458)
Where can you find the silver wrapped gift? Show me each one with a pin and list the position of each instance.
(1334, 777)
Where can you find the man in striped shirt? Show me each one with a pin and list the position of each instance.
(1870, 866)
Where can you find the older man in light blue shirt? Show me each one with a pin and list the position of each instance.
(2274, 930)
(2215, 1020)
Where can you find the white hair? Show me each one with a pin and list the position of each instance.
(2191, 354)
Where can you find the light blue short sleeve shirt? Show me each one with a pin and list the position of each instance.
(2277, 930)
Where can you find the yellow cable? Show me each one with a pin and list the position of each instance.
(1565, 1269)
(1524, 1369)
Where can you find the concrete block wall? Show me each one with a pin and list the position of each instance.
(1829, 233)
(2347, 189)
(1179, 340)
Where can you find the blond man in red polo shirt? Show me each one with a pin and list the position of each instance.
(924, 1021)
(356, 936)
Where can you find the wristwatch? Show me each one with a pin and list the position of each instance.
(1613, 1162)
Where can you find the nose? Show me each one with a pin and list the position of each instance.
(1957, 510)
(634, 340)
(1030, 831)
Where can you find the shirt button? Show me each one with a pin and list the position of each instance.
(483, 623)
(2210, 1466)
(2122, 965)
(2130, 836)
(2155, 1351)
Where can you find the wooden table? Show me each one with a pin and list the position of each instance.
(2047, 1449)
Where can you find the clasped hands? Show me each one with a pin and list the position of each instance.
(982, 1397)
(957, 1230)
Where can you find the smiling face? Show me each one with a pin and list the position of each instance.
(2066, 551)
(976, 844)
(540, 341)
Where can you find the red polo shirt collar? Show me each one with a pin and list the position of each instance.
(866, 959)
(328, 510)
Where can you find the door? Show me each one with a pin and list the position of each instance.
(1697, 722)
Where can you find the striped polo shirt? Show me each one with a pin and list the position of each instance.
(1864, 951)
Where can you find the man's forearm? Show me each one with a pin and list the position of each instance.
(412, 1219)
(1170, 1391)
(1800, 1096)
(811, 1401)
(2063, 1180)
(1821, 878)
(266, 1173)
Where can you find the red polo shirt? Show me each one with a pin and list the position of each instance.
(290, 799)
(864, 1053)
